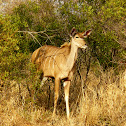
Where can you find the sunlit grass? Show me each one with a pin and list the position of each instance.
(101, 103)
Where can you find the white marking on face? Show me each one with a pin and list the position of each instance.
(76, 43)
(84, 47)
(79, 44)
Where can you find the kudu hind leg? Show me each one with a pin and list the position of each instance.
(57, 82)
(43, 81)
(66, 91)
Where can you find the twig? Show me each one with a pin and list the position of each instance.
(35, 39)
(48, 37)
(118, 62)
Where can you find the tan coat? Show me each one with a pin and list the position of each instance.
(58, 62)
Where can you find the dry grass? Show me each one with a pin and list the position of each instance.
(101, 103)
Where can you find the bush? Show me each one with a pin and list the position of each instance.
(12, 59)
(32, 24)
(107, 23)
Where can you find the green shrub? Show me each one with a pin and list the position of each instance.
(32, 24)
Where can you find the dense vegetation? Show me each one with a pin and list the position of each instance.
(32, 24)
(25, 26)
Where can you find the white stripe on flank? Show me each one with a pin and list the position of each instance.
(49, 67)
(53, 53)
(54, 56)
(54, 61)
(45, 62)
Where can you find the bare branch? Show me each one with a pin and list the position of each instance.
(35, 39)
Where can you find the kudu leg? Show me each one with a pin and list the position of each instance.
(57, 82)
(66, 91)
(43, 80)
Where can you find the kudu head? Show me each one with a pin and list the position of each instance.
(78, 38)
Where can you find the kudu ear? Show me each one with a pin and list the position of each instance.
(87, 33)
(73, 32)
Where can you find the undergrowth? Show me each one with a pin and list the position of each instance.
(102, 102)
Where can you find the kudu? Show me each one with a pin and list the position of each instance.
(58, 62)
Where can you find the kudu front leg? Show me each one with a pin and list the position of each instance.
(66, 91)
(56, 94)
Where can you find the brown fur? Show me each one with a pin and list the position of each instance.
(66, 44)
(58, 62)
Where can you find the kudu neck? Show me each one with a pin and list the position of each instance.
(72, 55)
